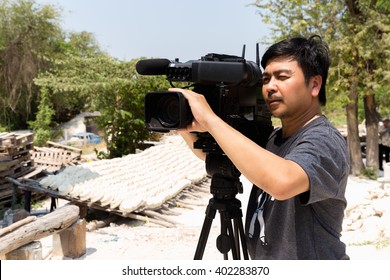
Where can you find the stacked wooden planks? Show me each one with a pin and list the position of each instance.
(15, 161)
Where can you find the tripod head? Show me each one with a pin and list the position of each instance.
(225, 183)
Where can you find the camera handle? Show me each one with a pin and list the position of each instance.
(224, 188)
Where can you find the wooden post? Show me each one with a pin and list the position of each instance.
(71, 242)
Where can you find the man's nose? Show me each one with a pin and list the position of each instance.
(271, 86)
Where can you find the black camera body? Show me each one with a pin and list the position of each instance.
(230, 84)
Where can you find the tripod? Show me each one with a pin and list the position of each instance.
(224, 189)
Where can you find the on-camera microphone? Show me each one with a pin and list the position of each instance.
(157, 66)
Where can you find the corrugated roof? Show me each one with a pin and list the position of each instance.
(137, 181)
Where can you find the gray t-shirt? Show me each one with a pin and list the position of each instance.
(307, 226)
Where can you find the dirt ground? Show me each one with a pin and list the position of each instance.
(129, 239)
(126, 239)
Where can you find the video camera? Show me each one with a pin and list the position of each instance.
(230, 84)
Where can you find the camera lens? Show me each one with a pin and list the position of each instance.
(168, 111)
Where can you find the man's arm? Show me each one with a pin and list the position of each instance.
(277, 176)
(190, 138)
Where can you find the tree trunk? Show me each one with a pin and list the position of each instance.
(372, 119)
(353, 140)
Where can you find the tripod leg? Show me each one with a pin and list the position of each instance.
(232, 239)
(210, 215)
(226, 241)
(237, 238)
(223, 241)
(243, 240)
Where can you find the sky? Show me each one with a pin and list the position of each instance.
(184, 29)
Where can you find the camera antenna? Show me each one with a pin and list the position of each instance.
(257, 55)
(243, 51)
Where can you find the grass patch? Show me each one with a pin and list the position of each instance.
(370, 172)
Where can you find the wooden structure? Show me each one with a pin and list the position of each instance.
(55, 156)
(185, 199)
(139, 186)
(20, 159)
(146, 186)
(64, 223)
(15, 161)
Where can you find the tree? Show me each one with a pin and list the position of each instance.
(73, 56)
(28, 34)
(73, 74)
(112, 87)
(43, 122)
(358, 37)
(370, 25)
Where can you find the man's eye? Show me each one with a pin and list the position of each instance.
(265, 80)
(282, 78)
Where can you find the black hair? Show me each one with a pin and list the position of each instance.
(311, 54)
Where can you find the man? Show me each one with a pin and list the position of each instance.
(297, 203)
(384, 142)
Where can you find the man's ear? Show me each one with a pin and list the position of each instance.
(316, 83)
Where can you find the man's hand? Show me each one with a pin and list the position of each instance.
(204, 116)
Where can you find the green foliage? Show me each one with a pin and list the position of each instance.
(35, 53)
(359, 45)
(32, 42)
(122, 109)
(358, 34)
(28, 36)
(112, 87)
(43, 122)
(383, 98)
(370, 173)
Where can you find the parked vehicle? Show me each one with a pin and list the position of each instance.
(84, 138)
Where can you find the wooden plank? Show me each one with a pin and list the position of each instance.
(12, 163)
(7, 139)
(55, 156)
(6, 193)
(4, 185)
(22, 148)
(18, 170)
(33, 173)
(12, 156)
(17, 224)
(53, 144)
(5, 157)
(47, 225)
(6, 202)
(47, 162)
(25, 137)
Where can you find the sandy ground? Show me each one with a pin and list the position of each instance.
(126, 239)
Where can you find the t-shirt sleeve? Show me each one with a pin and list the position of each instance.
(323, 156)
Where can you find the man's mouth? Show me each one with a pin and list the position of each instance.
(274, 101)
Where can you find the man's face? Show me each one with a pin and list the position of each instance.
(285, 90)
